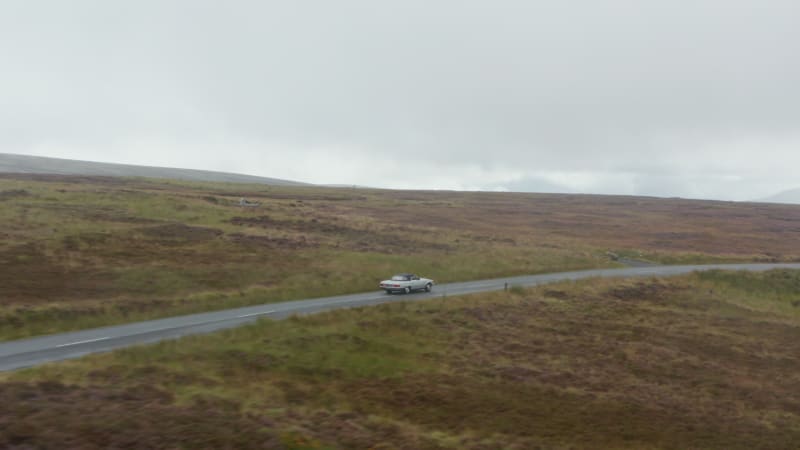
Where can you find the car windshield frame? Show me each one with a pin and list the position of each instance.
(401, 277)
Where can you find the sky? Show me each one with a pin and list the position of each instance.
(695, 99)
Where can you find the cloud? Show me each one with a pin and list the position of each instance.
(690, 98)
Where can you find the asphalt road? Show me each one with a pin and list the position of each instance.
(57, 347)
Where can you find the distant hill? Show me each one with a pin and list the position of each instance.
(12, 163)
(790, 196)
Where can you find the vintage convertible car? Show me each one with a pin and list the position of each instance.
(406, 283)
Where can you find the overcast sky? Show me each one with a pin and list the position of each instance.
(693, 98)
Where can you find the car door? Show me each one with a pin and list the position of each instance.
(416, 283)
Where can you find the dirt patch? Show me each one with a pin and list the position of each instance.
(248, 240)
(28, 274)
(516, 374)
(96, 213)
(76, 242)
(115, 217)
(342, 236)
(13, 193)
(311, 226)
(643, 291)
(180, 232)
(454, 219)
(358, 431)
(298, 197)
(336, 339)
(552, 293)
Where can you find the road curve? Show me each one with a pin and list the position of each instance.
(57, 347)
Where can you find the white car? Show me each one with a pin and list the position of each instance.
(406, 283)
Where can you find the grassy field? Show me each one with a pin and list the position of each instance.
(705, 361)
(78, 252)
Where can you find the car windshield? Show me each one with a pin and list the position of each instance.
(400, 278)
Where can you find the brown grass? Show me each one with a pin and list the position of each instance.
(87, 251)
(703, 361)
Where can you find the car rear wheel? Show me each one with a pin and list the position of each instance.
(389, 291)
(407, 290)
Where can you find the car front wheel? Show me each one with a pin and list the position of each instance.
(428, 287)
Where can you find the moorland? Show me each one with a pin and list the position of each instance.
(706, 360)
(79, 252)
(702, 361)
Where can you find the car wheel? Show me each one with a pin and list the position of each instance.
(428, 287)
(389, 292)
(408, 290)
